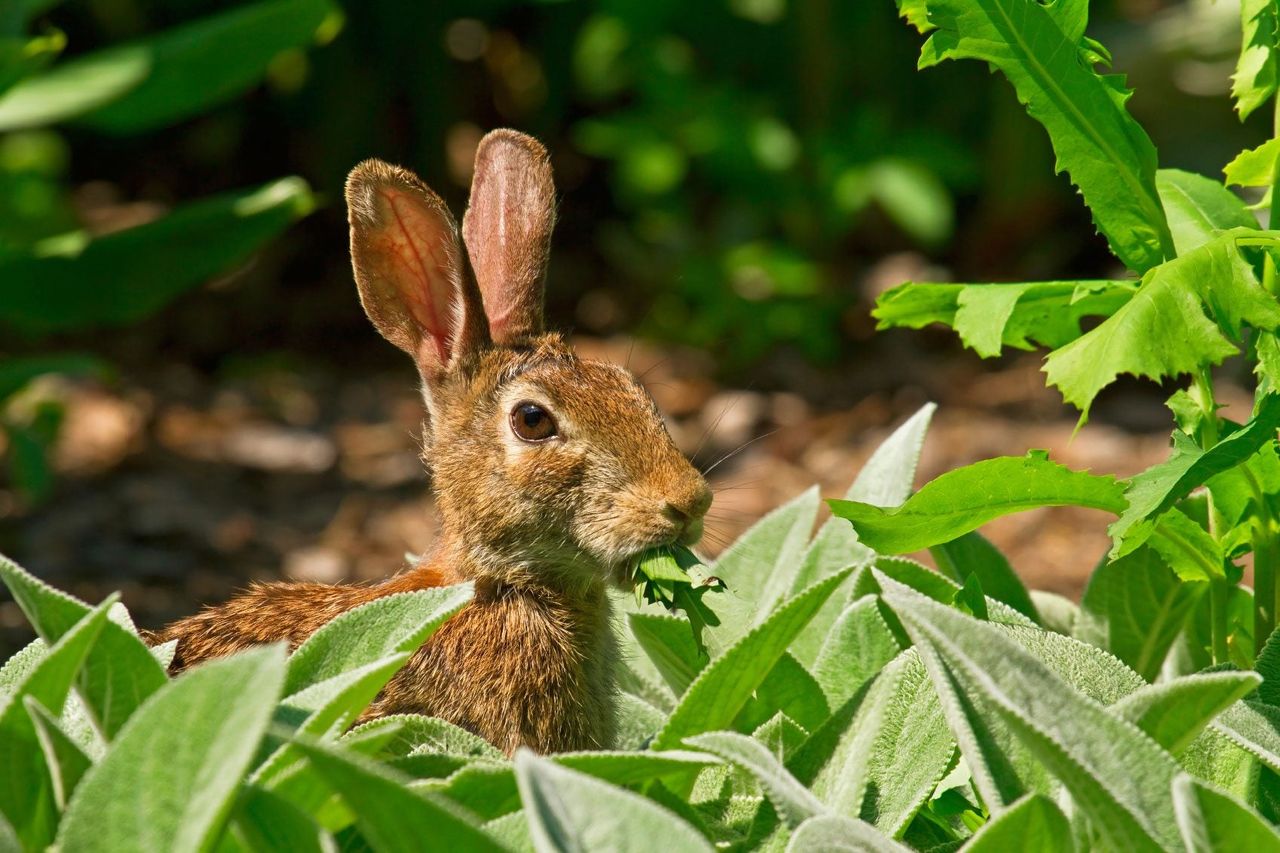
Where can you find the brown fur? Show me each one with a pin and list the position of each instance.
(541, 528)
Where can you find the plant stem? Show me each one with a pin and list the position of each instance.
(1219, 622)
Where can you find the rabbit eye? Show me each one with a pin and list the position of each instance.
(531, 422)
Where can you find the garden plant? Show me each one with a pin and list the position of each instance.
(832, 695)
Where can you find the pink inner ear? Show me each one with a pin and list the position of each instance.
(424, 268)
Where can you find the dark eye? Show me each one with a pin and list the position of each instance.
(531, 422)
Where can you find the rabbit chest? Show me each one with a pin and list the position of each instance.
(519, 668)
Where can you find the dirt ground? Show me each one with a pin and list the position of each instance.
(177, 488)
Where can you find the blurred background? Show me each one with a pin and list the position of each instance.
(192, 397)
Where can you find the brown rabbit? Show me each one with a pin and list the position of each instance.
(551, 472)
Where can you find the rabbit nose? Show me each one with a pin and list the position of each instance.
(689, 507)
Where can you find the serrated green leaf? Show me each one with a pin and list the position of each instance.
(568, 810)
(1211, 821)
(27, 795)
(1032, 823)
(119, 278)
(1108, 155)
(966, 498)
(833, 832)
(858, 646)
(1135, 608)
(385, 626)
(391, 815)
(192, 770)
(791, 800)
(416, 733)
(1116, 775)
(722, 688)
(1254, 81)
(1254, 167)
(991, 316)
(63, 758)
(179, 73)
(1199, 208)
(1174, 712)
(1157, 489)
(1175, 323)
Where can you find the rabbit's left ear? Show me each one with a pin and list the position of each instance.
(507, 231)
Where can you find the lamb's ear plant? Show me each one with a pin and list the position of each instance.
(843, 699)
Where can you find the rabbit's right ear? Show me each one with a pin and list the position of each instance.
(507, 229)
(413, 281)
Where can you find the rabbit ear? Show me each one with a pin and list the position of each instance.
(507, 229)
(413, 281)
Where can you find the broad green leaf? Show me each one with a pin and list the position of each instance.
(886, 479)
(191, 743)
(27, 794)
(782, 736)
(1175, 712)
(989, 317)
(1032, 823)
(489, 789)
(1217, 759)
(1254, 82)
(858, 646)
(1115, 773)
(1135, 608)
(895, 753)
(120, 672)
(416, 734)
(1199, 208)
(1254, 167)
(789, 688)
(1190, 551)
(324, 710)
(973, 555)
(63, 758)
(392, 816)
(638, 722)
(1175, 323)
(758, 568)
(1057, 613)
(1157, 489)
(120, 278)
(1211, 821)
(270, 822)
(1106, 152)
(669, 643)
(716, 696)
(385, 626)
(830, 833)
(1254, 727)
(791, 800)
(568, 810)
(179, 73)
(1268, 666)
(966, 498)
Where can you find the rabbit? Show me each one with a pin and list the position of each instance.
(551, 472)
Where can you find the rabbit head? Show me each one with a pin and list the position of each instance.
(543, 463)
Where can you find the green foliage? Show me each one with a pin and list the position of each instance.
(962, 500)
(931, 715)
(1043, 53)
